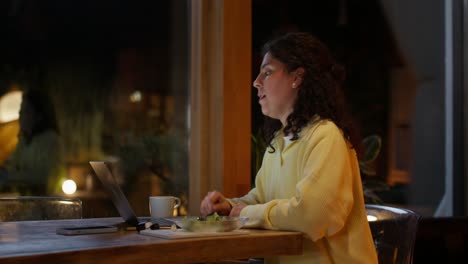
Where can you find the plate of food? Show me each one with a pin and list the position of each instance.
(211, 223)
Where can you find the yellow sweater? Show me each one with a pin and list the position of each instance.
(313, 186)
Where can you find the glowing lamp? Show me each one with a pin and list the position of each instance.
(136, 97)
(10, 105)
(69, 187)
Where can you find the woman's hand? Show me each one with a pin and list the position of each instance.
(215, 202)
(235, 211)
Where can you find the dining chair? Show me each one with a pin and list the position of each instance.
(24, 208)
(394, 232)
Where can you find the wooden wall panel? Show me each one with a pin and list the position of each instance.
(220, 99)
(237, 44)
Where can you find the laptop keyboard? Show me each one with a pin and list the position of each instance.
(162, 222)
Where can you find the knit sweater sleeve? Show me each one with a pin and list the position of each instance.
(323, 198)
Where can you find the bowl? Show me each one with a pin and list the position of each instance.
(221, 224)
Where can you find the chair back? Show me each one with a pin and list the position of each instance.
(394, 232)
(24, 208)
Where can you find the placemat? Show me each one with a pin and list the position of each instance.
(181, 233)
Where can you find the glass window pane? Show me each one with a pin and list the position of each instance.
(115, 74)
(393, 89)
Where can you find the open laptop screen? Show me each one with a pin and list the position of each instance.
(109, 182)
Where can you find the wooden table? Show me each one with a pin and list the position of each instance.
(37, 242)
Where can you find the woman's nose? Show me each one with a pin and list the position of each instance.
(257, 83)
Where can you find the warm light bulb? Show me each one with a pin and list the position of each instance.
(9, 106)
(135, 97)
(371, 218)
(69, 187)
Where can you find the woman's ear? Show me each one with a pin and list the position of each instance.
(298, 75)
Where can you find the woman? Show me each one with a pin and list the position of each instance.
(36, 166)
(309, 180)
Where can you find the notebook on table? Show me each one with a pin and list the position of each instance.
(105, 175)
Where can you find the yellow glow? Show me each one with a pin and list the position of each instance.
(135, 97)
(9, 106)
(371, 218)
(69, 187)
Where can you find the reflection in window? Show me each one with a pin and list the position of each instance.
(116, 75)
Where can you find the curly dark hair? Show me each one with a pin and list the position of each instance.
(320, 92)
(42, 110)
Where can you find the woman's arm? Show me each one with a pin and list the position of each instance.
(324, 195)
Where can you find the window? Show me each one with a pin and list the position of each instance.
(396, 86)
(115, 73)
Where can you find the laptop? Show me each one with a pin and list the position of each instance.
(104, 173)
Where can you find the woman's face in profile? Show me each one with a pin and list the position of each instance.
(276, 91)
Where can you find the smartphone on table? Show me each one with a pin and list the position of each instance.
(84, 230)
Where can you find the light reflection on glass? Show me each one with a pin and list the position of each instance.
(69, 187)
(135, 97)
(9, 106)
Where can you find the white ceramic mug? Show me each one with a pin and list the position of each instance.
(163, 206)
